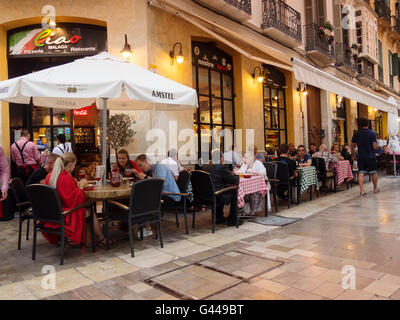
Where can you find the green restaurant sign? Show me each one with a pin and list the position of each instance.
(66, 40)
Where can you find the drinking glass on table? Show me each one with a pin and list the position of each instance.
(99, 174)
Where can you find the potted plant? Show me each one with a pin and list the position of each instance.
(321, 32)
(348, 51)
(119, 131)
(331, 39)
(354, 50)
(328, 28)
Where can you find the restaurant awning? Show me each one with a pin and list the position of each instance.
(308, 74)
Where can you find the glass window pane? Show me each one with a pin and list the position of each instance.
(217, 139)
(274, 96)
(215, 84)
(267, 117)
(217, 111)
(272, 139)
(42, 138)
(281, 100)
(61, 117)
(275, 118)
(228, 139)
(228, 112)
(227, 84)
(267, 101)
(40, 116)
(282, 119)
(204, 109)
(203, 81)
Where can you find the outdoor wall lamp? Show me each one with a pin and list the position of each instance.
(179, 58)
(261, 77)
(126, 51)
(302, 88)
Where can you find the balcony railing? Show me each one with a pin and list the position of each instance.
(344, 57)
(380, 73)
(396, 24)
(319, 42)
(382, 10)
(277, 14)
(366, 69)
(244, 5)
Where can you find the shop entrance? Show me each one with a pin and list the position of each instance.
(314, 115)
(30, 51)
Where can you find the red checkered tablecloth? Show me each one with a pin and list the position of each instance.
(343, 171)
(249, 186)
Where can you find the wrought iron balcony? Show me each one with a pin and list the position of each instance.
(237, 9)
(278, 16)
(396, 25)
(345, 60)
(380, 73)
(383, 11)
(244, 5)
(319, 43)
(366, 71)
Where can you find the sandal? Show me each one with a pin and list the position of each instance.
(377, 191)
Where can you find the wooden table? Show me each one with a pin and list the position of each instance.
(108, 192)
(104, 193)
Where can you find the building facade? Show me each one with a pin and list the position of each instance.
(226, 45)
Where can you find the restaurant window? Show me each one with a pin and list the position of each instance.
(275, 124)
(340, 121)
(47, 123)
(213, 80)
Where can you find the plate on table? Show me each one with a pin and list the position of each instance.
(89, 187)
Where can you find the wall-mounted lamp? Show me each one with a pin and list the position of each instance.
(126, 51)
(302, 88)
(179, 58)
(260, 77)
(52, 24)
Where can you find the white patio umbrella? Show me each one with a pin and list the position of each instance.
(100, 77)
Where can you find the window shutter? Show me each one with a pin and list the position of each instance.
(395, 64)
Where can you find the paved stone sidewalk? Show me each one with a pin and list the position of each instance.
(303, 260)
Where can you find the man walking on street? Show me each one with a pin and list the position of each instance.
(365, 140)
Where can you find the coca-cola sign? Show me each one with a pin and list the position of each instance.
(66, 40)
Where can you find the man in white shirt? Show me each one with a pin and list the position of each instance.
(232, 157)
(172, 163)
(62, 146)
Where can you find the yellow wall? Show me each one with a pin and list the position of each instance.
(4, 117)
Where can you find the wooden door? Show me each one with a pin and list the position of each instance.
(314, 115)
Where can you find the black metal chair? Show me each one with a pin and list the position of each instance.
(205, 195)
(46, 207)
(183, 183)
(285, 181)
(144, 207)
(23, 205)
(272, 168)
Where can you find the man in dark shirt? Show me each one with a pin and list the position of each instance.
(365, 140)
(284, 157)
(39, 175)
(222, 178)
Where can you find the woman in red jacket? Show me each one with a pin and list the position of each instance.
(71, 195)
(126, 166)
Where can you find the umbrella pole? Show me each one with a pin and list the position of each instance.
(104, 134)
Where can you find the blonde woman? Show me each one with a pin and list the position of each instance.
(71, 195)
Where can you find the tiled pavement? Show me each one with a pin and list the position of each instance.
(303, 260)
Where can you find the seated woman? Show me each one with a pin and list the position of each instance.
(303, 158)
(126, 166)
(335, 150)
(71, 195)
